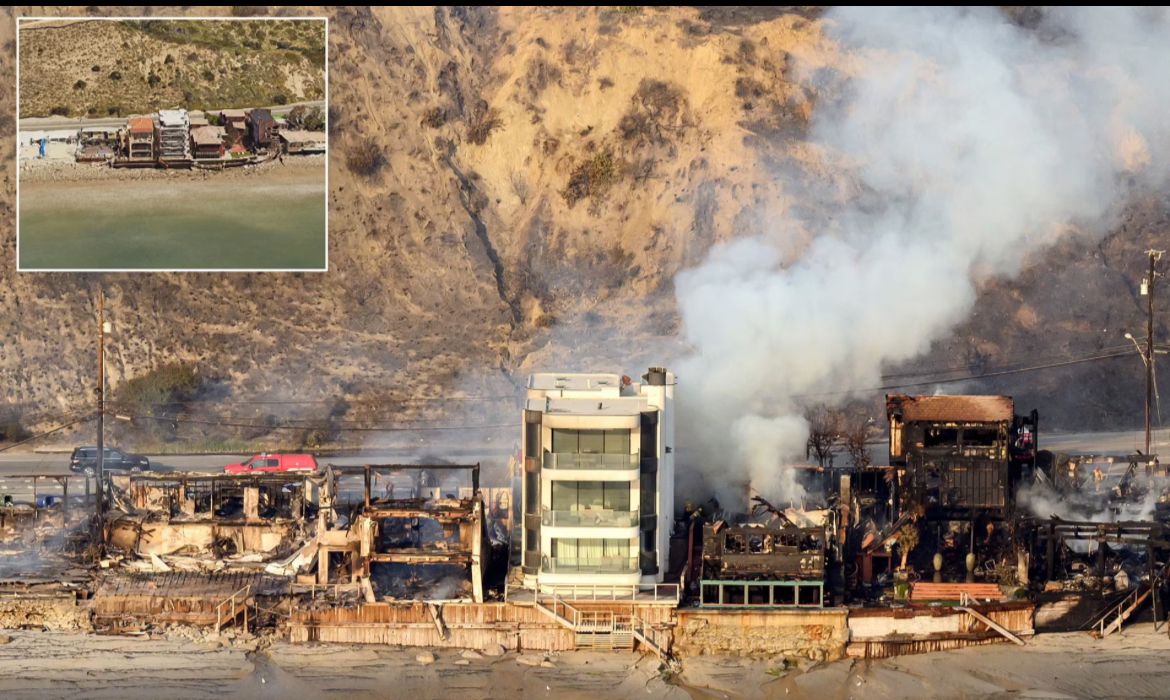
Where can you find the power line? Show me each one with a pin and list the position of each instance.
(293, 402)
(87, 417)
(969, 377)
(382, 429)
(1011, 360)
(288, 422)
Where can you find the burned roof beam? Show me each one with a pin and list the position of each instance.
(421, 556)
(436, 515)
(367, 468)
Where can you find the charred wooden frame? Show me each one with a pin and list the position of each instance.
(762, 553)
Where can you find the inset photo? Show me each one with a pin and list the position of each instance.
(172, 145)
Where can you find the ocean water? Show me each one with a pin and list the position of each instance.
(174, 223)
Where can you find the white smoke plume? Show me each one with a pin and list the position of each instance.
(972, 144)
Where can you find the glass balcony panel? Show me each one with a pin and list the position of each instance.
(589, 517)
(601, 565)
(626, 462)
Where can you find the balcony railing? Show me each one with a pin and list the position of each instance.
(599, 565)
(589, 517)
(554, 460)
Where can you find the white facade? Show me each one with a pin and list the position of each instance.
(174, 134)
(597, 493)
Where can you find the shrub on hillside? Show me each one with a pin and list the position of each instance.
(366, 159)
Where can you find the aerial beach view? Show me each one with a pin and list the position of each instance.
(172, 145)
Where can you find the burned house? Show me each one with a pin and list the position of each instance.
(207, 142)
(97, 143)
(762, 565)
(960, 455)
(409, 534)
(174, 135)
(261, 130)
(140, 133)
(598, 487)
(215, 516)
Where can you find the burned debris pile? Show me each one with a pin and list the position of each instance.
(968, 534)
(214, 550)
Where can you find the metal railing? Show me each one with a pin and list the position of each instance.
(585, 620)
(589, 517)
(634, 593)
(656, 640)
(599, 565)
(616, 462)
(1112, 621)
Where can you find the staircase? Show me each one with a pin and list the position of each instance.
(592, 629)
(230, 608)
(1113, 618)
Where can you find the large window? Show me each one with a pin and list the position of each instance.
(610, 442)
(601, 555)
(575, 496)
(531, 492)
(941, 437)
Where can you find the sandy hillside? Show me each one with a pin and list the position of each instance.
(102, 69)
(514, 190)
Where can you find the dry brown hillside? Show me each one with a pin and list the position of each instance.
(107, 68)
(513, 190)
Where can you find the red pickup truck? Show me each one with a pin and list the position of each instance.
(266, 463)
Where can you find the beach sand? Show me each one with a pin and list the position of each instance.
(43, 664)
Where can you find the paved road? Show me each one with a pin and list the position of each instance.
(1116, 443)
(58, 463)
(51, 123)
(493, 459)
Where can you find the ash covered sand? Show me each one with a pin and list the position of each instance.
(45, 664)
(42, 664)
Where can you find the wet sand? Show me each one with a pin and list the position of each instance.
(66, 665)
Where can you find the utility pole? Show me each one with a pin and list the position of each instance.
(1148, 290)
(101, 411)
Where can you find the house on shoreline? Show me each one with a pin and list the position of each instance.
(207, 142)
(301, 142)
(140, 138)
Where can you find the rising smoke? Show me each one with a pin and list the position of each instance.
(972, 143)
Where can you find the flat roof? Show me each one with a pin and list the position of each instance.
(172, 117)
(207, 135)
(954, 409)
(300, 135)
(232, 113)
(608, 406)
(549, 381)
